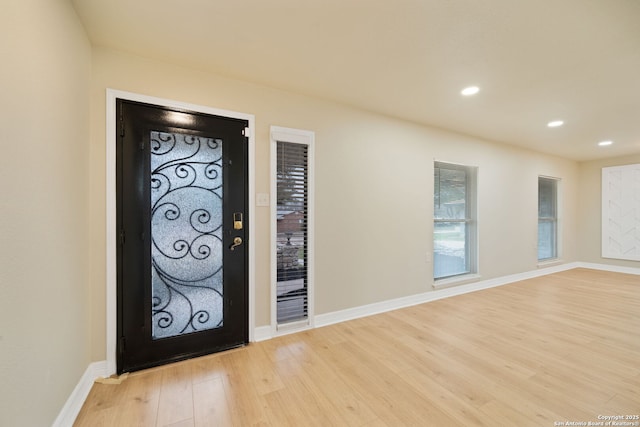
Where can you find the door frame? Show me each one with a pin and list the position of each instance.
(111, 197)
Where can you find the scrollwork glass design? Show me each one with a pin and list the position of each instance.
(186, 234)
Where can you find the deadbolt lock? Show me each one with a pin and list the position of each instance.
(237, 221)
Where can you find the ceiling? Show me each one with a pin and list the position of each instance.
(534, 60)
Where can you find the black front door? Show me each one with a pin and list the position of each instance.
(182, 234)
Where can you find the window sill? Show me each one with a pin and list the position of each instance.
(292, 327)
(550, 262)
(455, 281)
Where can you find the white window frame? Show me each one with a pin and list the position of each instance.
(306, 137)
(556, 219)
(471, 226)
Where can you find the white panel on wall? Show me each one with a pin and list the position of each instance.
(621, 212)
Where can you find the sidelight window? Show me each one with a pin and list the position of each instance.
(292, 221)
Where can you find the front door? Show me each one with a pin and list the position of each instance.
(182, 234)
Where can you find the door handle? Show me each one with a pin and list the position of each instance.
(237, 241)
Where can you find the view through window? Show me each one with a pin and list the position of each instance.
(292, 225)
(547, 218)
(454, 220)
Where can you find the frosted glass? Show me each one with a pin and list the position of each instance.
(186, 234)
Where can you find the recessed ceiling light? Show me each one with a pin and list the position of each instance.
(471, 90)
(605, 143)
(555, 123)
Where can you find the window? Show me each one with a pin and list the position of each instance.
(547, 218)
(454, 228)
(292, 152)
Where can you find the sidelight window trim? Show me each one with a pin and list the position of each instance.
(303, 137)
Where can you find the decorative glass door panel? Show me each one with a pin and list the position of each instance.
(186, 233)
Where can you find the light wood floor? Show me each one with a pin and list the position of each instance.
(564, 347)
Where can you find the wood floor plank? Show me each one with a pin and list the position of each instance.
(206, 368)
(502, 414)
(92, 416)
(210, 404)
(264, 379)
(299, 402)
(141, 395)
(450, 402)
(183, 423)
(562, 347)
(325, 383)
(176, 394)
(245, 404)
(389, 396)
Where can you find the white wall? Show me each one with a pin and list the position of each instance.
(44, 206)
(374, 188)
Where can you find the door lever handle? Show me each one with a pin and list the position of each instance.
(237, 241)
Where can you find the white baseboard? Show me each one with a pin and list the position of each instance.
(383, 306)
(262, 333)
(394, 304)
(608, 267)
(74, 403)
(95, 370)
